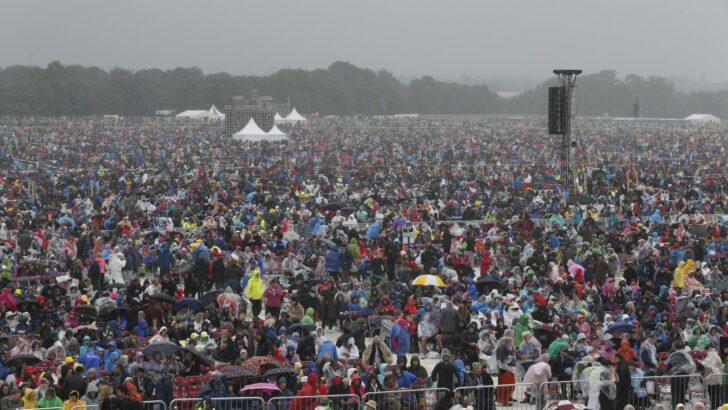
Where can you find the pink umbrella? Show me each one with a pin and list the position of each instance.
(266, 388)
(575, 269)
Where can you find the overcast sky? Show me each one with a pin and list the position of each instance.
(444, 38)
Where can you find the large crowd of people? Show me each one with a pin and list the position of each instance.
(147, 260)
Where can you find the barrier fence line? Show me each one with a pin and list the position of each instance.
(716, 389)
(555, 391)
(85, 407)
(645, 393)
(407, 399)
(668, 390)
(154, 405)
(519, 396)
(336, 401)
(219, 403)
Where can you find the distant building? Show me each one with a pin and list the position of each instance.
(703, 119)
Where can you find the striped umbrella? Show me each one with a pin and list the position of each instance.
(428, 280)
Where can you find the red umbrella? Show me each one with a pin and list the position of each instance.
(260, 364)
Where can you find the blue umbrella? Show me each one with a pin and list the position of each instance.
(189, 303)
(622, 327)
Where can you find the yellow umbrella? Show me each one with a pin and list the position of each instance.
(428, 280)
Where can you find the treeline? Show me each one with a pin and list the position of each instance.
(340, 89)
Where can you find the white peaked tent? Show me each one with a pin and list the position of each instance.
(294, 117)
(276, 134)
(215, 113)
(251, 132)
(278, 119)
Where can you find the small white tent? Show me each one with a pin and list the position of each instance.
(294, 117)
(276, 134)
(215, 113)
(703, 119)
(251, 132)
(277, 119)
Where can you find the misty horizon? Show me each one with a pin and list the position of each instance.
(458, 42)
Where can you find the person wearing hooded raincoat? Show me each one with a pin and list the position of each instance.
(7, 300)
(116, 264)
(304, 399)
(678, 279)
(74, 402)
(30, 398)
(308, 318)
(602, 386)
(521, 326)
(50, 400)
(399, 338)
(377, 352)
(698, 340)
(254, 291)
(713, 365)
(506, 359)
(679, 363)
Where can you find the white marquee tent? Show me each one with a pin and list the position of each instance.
(294, 117)
(252, 133)
(276, 134)
(702, 119)
(278, 119)
(212, 114)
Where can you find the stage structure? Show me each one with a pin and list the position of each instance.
(561, 113)
(261, 109)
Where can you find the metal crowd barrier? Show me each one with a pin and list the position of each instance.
(155, 405)
(646, 392)
(716, 390)
(525, 396)
(220, 403)
(669, 390)
(405, 399)
(85, 407)
(555, 391)
(336, 401)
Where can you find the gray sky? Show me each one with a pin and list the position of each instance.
(444, 38)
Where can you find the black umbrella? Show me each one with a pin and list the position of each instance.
(201, 357)
(545, 336)
(300, 328)
(166, 348)
(152, 235)
(26, 359)
(112, 311)
(162, 297)
(85, 310)
(237, 371)
(488, 283)
(26, 304)
(333, 206)
(210, 297)
(279, 371)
